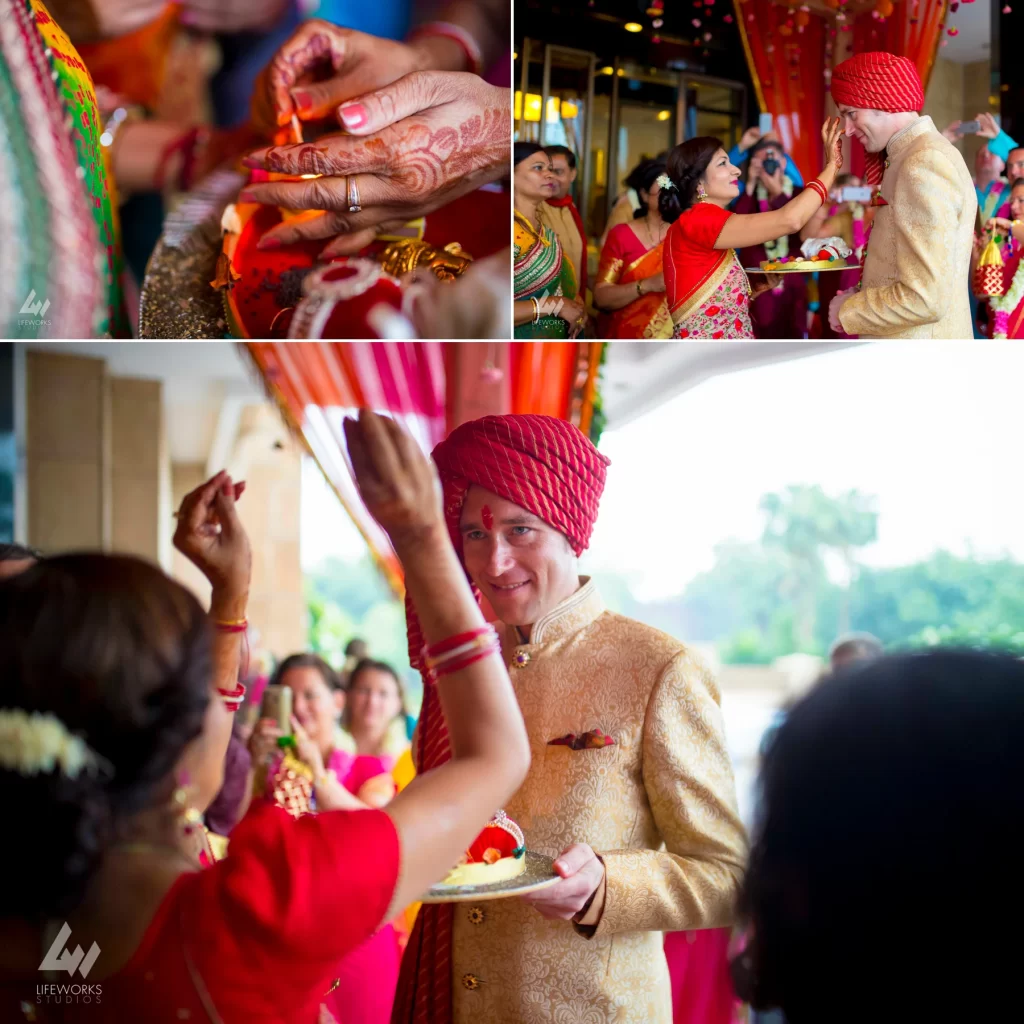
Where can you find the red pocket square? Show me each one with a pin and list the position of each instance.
(586, 741)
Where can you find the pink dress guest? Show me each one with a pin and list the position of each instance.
(698, 967)
(779, 312)
(368, 976)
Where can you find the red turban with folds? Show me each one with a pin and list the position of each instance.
(540, 463)
(550, 468)
(878, 81)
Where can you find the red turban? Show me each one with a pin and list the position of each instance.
(540, 463)
(548, 467)
(878, 81)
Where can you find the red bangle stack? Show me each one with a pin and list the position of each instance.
(819, 190)
(461, 651)
(232, 698)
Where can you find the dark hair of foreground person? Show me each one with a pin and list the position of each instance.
(885, 875)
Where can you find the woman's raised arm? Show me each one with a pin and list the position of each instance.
(439, 816)
(742, 230)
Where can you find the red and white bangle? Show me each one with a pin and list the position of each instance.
(446, 668)
(457, 648)
(819, 190)
(232, 698)
(458, 35)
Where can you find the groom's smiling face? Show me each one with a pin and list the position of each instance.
(873, 128)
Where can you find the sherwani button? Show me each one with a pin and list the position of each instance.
(522, 659)
(471, 982)
(477, 915)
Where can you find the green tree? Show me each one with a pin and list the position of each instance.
(806, 523)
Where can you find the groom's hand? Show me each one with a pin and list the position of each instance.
(582, 872)
(833, 311)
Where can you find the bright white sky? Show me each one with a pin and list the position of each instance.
(934, 431)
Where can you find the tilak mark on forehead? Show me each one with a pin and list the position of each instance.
(488, 517)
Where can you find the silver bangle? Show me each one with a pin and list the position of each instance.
(536, 310)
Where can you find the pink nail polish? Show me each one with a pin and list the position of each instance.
(303, 101)
(245, 196)
(269, 243)
(252, 161)
(353, 117)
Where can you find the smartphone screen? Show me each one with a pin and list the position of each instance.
(765, 123)
(856, 195)
(277, 704)
(969, 128)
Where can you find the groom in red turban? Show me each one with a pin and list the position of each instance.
(917, 265)
(630, 788)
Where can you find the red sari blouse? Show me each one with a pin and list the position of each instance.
(257, 937)
(693, 266)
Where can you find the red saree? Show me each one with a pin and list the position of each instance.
(624, 259)
(707, 290)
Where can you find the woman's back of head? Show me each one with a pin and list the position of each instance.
(119, 655)
(885, 867)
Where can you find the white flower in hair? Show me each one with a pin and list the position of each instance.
(37, 744)
(664, 181)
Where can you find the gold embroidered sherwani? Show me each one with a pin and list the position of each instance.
(659, 807)
(915, 282)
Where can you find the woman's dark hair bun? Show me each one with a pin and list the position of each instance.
(686, 165)
(643, 178)
(121, 656)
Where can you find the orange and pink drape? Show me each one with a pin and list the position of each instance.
(788, 51)
(430, 386)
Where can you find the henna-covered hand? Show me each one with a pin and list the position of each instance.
(320, 67)
(415, 145)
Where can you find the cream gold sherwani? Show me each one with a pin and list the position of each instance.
(915, 282)
(659, 807)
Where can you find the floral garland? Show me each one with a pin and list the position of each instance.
(1004, 305)
(780, 246)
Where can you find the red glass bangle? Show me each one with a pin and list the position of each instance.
(452, 642)
(448, 668)
(237, 693)
(819, 190)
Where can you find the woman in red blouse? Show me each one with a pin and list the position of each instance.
(708, 292)
(106, 721)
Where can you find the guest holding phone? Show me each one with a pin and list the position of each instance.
(779, 312)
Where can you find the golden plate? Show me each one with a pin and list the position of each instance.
(539, 874)
(801, 270)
